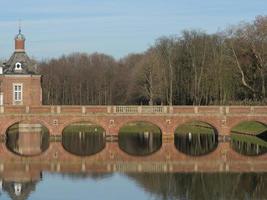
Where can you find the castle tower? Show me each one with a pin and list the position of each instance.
(20, 82)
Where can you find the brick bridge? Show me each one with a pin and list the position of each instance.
(112, 118)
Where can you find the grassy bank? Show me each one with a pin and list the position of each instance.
(83, 128)
(195, 128)
(250, 127)
(139, 127)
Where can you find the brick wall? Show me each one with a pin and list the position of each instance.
(20, 45)
(31, 89)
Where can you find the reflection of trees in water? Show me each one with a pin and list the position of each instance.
(13, 134)
(94, 176)
(196, 186)
(196, 144)
(140, 143)
(26, 189)
(83, 140)
(248, 148)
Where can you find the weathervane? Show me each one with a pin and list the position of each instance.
(19, 26)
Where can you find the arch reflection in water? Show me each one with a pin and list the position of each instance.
(196, 138)
(140, 138)
(249, 138)
(97, 176)
(83, 138)
(27, 139)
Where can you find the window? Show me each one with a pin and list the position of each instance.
(17, 93)
(18, 66)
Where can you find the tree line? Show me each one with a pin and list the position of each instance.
(192, 68)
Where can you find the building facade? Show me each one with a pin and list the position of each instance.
(20, 84)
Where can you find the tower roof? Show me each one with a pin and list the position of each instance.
(19, 62)
(20, 36)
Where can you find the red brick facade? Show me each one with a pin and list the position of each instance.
(31, 89)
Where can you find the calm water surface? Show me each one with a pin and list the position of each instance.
(133, 186)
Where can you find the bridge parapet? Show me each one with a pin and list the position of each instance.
(141, 109)
(65, 109)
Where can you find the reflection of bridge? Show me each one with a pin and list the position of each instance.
(112, 118)
(112, 158)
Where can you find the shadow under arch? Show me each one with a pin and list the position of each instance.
(249, 138)
(196, 138)
(140, 138)
(83, 138)
(27, 138)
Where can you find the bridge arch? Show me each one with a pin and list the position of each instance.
(29, 140)
(249, 138)
(140, 138)
(83, 138)
(196, 138)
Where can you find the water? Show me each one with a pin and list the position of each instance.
(248, 145)
(195, 138)
(148, 186)
(140, 139)
(197, 144)
(140, 165)
(83, 139)
(139, 144)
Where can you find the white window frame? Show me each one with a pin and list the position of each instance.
(18, 66)
(17, 99)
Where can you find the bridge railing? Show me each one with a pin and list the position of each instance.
(140, 109)
(125, 109)
(154, 109)
(64, 109)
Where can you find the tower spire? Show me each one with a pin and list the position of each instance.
(19, 26)
(19, 40)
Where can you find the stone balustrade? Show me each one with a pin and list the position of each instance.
(63, 109)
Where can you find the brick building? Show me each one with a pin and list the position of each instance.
(19, 82)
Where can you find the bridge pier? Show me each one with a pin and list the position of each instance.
(167, 136)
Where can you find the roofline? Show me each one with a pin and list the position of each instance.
(19, 51)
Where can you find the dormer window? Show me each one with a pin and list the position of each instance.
(18, 66)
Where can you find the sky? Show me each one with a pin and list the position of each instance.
(114, 27)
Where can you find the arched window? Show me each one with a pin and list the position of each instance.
(18, 66)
